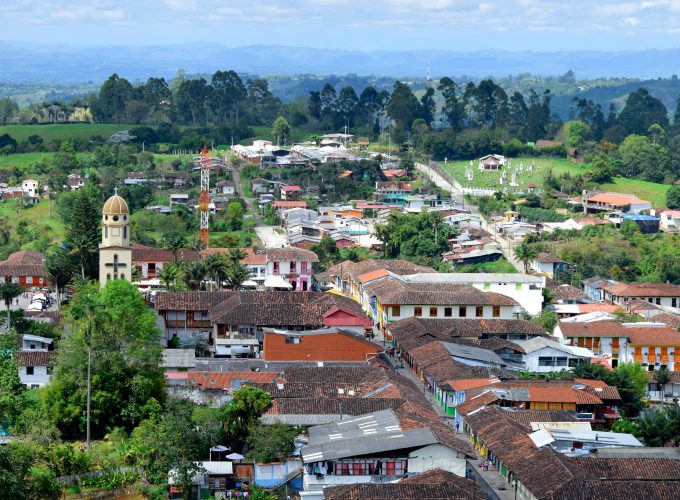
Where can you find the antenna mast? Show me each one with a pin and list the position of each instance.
(204, 200)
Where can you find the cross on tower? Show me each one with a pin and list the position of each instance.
(115, 265)
(115, 190)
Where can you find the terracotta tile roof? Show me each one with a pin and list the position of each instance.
(492, 344)
(528, 416)
(289, 204)
(546, 258)
(345, 174)
(9, 269)
(341, 374)
(291, 188)
(355, 269)
(642, 289)
(540, 470)
(409, 329)
(562, 395)
(327, 406)
(370, 276)
(33, 358)
(628, 468)
(670, 320)
(143, 253)
(619, 490)
(567, 292)
(331, 345)
(189, 301)
(391, 291)
(616, 199)
(291, 254)
(460, 489)
(470, 383)
(608, 308)
(25, 257)
(280, 309)
(653, 336)
(477, 401)
(226, 380)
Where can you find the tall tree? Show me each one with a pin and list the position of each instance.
(280, 130)
(175, 242)
(525, 253)
(127, 381)
(115, 92)
(642, 110)
(453, 107)
(83, 228)
(227, 96)
(403, 107)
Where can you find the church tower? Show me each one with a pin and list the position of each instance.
(115, 252)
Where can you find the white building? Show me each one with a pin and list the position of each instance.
(30, 188)
(115, 251)
(226, 188)
(35, 367)
(525, 289)
(35, 343)
(545, 355)
(179, 199)
(670, 221)
(374, 448)
(290, 268)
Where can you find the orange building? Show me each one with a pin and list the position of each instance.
(26, 268)
(329, 345)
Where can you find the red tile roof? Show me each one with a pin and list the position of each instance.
(291, 188)
(251, 257)
(289, 204)
(616, 199)
(144, 253)
(189, 301)
(33, 358)
(470, 383)
(220, 380)
(642, 289)
(552, 394)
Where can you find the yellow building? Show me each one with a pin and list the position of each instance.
(115, 252)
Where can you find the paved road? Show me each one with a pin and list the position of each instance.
(270, 238)
(457, 196)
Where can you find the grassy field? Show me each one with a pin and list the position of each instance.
(62, 132)
(23, 159)
(490, 179)
(650, 191)
(42, 227)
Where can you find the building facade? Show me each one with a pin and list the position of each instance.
(115, 251)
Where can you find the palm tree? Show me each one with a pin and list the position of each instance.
(237, 273)
(169, 275)
(662, 377)
(193, 274)
(525, 254)
(82, 248)
(175, 242)
(9, 292)
(217, 266)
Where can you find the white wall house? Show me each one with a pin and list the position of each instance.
(30, 187)
(35, 343)
(670, 221)
(525, 289)
(544, 355)
(35, 368)
(290, 267)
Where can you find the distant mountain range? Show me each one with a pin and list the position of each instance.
(28, 62)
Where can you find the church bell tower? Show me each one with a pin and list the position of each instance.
(115, 252)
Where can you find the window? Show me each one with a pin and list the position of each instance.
(49, 370)
(29, 370)
(125, 232)
(479, 311)
(293, 339)
(304, 267)
(276, 268)
(487, 286)
(418, 311)
(106, 230)
(496, 311)
(448, 312)
(396, 311)
(462, 311)
(674, 302)
(518, 286)
(108, 277)
(293, 267)
(433, 312)
(550, 361)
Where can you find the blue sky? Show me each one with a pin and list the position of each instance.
(461, 25)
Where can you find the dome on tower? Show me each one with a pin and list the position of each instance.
(115, 206)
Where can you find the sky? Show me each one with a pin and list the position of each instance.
(460, 25)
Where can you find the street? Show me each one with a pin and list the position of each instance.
(457, 196)
(270, 238)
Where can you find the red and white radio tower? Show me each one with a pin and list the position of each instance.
(204, 200)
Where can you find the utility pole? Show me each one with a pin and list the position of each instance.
(89, 390)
